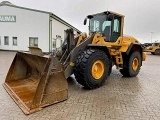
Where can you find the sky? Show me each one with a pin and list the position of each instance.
(142, 17)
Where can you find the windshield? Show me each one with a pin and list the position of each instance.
(98, 23)
(108, 25)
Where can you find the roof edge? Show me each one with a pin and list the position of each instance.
(5, 3)
(12, 5)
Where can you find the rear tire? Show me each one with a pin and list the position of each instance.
(92, 68)
(133, 65)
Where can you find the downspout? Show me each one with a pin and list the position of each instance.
(50, 33)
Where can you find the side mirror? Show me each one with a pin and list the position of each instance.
(85, 21)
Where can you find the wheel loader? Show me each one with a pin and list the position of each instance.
(154, 49)
(35, 81)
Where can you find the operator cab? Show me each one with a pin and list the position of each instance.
(107, 23)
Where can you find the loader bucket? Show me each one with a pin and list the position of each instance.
(35, 82)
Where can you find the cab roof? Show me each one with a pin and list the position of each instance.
(109, 12)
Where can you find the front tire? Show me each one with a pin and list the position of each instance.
(92, 68)
(157, 52)
(153, 53)
(133, 65)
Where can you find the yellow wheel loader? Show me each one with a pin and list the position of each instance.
(35, 81)
(154, 49)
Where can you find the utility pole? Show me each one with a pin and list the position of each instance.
(151, 36)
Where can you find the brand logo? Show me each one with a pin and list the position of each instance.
(7, 18)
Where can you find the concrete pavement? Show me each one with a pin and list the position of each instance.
(120, 98)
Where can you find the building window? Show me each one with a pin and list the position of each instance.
(58, 36)
(53, 43)
(58, 41)
(6, 40)
(15, 41)
(33, 42)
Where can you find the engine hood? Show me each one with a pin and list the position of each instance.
(130, 38)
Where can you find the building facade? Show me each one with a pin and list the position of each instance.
(22, 27)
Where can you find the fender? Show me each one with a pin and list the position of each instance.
(134, 47)
(100, 47)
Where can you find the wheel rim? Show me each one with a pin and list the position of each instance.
(135, 64)
(97, 69)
